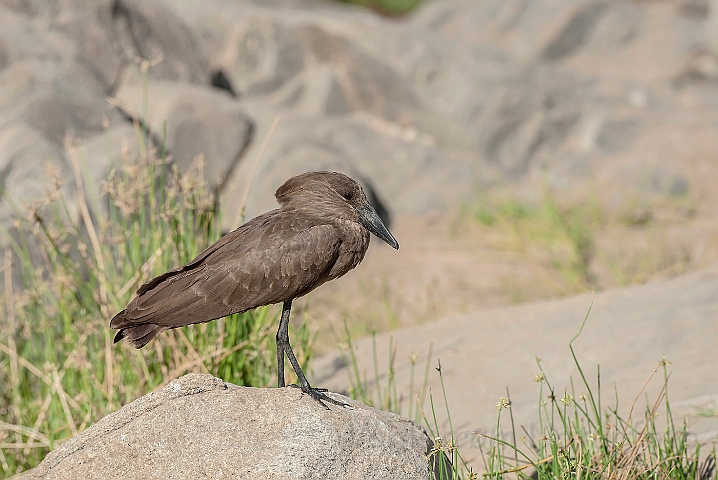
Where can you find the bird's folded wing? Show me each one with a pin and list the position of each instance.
(219, 244)
(279, 262)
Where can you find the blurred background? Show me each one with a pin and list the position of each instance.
(519, 150)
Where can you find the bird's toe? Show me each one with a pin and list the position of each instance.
(319, 395)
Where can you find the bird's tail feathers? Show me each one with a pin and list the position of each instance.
(139, 335)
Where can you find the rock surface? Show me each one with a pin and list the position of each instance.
(200, 427)
(201, 123)
(462, 95)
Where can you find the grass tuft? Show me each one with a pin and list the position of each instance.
(387, 7)
(580, 439)
(577, 438)
(79, 261)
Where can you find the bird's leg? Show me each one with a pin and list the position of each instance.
(283, 347)
(282, 341)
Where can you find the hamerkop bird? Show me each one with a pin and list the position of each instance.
(319, 233)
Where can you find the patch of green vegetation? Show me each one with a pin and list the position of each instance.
(564, 235)
(485, 216)
(574, 247)
(707, 412)
(375, 393)
(387, 7)
(515, 210)
(576, 225)
(59, 369)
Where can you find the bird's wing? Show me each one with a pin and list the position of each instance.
(277, 259)
(235, 237)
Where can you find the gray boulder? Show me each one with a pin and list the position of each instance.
(200, 121)
(200, 427)
(45, 84)
(100, 154)
(107, 36)
(26, 159)
(148, 30)
(360, 147)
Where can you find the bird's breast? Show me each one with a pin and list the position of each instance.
(354, 244)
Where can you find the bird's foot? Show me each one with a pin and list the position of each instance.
(319, 395)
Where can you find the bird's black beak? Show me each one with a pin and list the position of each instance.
(370, 219)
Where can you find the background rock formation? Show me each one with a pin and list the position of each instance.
(426, 108)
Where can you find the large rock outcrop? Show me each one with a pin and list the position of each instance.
(201, 427)
(459, 95)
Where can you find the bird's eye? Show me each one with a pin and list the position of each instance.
(348, 195)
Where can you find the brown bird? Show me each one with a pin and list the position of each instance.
(319, 233)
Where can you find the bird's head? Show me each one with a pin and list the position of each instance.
(334, 194)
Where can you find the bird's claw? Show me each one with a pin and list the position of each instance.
(319, 395)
